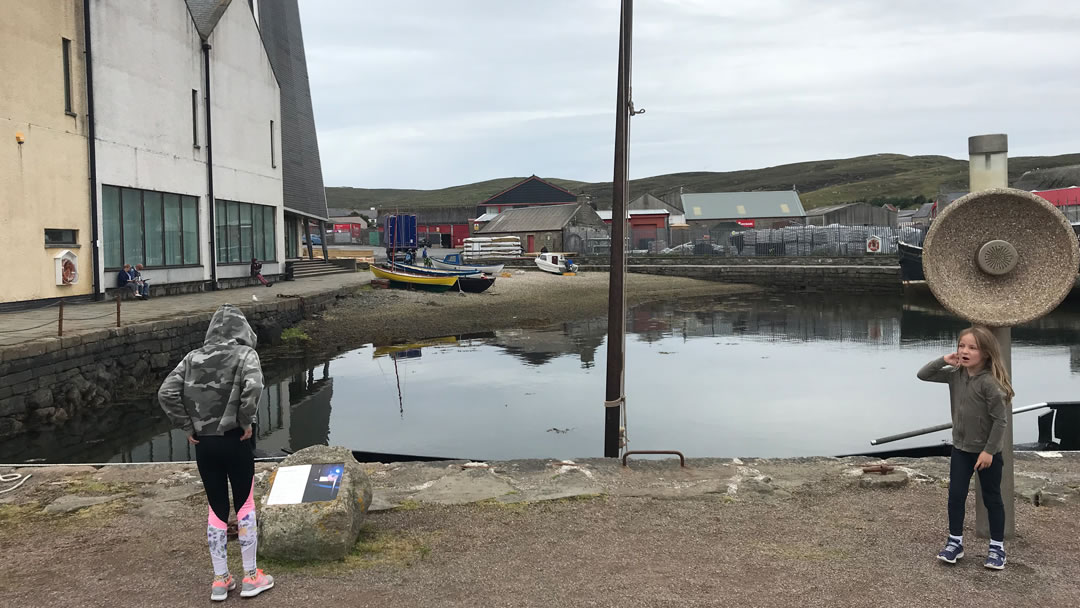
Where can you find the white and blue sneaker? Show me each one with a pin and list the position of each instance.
(995, 560)
(952, 552)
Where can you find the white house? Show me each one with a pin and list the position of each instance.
(158, 68)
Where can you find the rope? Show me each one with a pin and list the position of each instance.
(12, 331)
(111, 313)
(12, 477)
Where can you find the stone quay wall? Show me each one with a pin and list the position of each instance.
(868, 279)
(46, 382)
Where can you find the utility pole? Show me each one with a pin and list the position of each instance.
(615, 397)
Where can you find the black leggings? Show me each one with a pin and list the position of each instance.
(223, 461)
(960, 470)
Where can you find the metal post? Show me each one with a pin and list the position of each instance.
(322, 237)
(307, 235)
(118, 309)
(982, 521)
(616, 347)
(60, 322)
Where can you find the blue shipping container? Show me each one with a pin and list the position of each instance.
(401, 231)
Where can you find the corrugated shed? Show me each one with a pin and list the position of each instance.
(740, 205)
(301, 169)
(532, 219)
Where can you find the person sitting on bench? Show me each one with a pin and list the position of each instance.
(256, 271)
(143, 285)
(125, 279)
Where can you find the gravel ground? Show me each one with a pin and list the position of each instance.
(825, 545)
(524, 299)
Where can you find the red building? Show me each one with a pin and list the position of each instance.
(1061, 197)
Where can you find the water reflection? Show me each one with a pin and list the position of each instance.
(758, 375)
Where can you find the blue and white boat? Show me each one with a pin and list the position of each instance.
(454, 261)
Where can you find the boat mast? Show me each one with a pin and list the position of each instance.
(615, 398)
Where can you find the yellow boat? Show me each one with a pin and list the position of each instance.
(419, 281)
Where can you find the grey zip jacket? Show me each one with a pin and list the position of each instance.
(978, 406)
(216, 388)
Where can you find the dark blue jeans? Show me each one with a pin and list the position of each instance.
(960, 470)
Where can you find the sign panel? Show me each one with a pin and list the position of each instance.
(745, 223)
(305, 483)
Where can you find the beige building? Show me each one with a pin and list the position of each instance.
(45, 229)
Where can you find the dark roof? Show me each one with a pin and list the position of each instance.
(532, 190)
(532, 219)
(301, 168)
(925, 210)
(736, 205)
(648, 201)
(830, 208)
(206, 14)
(343, 212)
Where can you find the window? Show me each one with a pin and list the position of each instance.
(56, 237)
(273, 157)
(245, 231)
(195, 118)
(155, 229)
(66, 46)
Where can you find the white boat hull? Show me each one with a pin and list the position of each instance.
(554, 264)
(492, 269)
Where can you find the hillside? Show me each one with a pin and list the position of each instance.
(826, 182)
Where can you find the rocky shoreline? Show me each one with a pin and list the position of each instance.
(538, 532)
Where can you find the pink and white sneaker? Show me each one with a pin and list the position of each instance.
(255, 583)
(223, 584)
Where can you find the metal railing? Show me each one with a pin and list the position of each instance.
(948, 425)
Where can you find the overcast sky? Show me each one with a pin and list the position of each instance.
(435, 93)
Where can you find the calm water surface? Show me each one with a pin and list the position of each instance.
(753, 375)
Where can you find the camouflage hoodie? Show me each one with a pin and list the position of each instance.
(216, 388)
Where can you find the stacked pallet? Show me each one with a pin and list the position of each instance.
(491, 247)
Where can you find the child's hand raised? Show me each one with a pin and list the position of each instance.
(952, 359)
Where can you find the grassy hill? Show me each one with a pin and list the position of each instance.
(899, 178)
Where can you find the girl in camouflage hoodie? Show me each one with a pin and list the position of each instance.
(213, 395)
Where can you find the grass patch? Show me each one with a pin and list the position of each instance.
(16, 515)
(92, 487)
(374, 548)
(408, 505)
(294, 335)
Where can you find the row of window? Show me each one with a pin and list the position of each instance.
(160, 229)
(244, 231)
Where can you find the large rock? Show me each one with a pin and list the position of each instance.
(323, 530)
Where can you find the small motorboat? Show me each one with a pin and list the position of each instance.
(555, 263)
(453, 261)
(400, 278)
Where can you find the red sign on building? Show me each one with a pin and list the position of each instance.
(745, 223)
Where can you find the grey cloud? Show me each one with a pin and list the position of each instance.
(428, 94)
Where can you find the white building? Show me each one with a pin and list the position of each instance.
(155, 141)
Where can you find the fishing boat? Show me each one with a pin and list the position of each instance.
(467, 281)
(435, 272)
(453, 261)
(553, 263)
(400, 278)
(475, 283)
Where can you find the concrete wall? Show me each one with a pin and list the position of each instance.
(47, 383)
(44, 181)
(246, 98)
(147, 60)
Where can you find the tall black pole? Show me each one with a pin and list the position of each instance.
(615, 398)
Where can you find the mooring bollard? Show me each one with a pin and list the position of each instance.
(60, 321)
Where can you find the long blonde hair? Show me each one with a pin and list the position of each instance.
(991, 350)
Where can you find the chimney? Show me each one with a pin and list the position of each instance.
(988, 162)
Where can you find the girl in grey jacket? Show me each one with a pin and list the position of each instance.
(980, 394)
